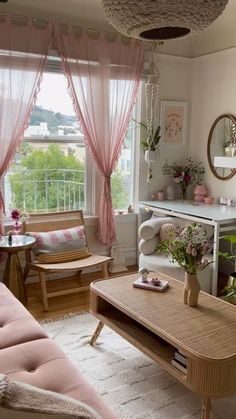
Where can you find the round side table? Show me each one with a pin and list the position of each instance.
(12, 276)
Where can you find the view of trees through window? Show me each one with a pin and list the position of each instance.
(49, 173)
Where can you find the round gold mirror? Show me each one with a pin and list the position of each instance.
(222, 142)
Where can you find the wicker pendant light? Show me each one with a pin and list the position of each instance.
(161, 19)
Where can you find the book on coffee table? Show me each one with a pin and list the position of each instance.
(150, 284)
(179, 365)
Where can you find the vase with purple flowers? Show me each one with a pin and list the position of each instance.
(15, 215)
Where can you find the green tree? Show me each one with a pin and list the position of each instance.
(119, 196)
(34, 188)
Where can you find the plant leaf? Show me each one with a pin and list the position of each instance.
(230, 238)
(226, 255)
(140, 124)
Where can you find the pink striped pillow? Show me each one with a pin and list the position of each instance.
(59, 241)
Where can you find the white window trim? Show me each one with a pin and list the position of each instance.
(92, 197)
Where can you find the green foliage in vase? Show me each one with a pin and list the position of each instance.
(187, 246)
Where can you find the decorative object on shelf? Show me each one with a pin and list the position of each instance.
(184, 188)
(173, 123)
(187, 174)
(161, 195)
(152, 127)
(130, 209)
(227, 201)
(189, 248)
(209, 200)
(200, 192)
(152, 20)
(170, 193)
(118, 260)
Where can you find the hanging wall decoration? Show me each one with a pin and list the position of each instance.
(152, 86)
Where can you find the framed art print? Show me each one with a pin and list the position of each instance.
(173, 122)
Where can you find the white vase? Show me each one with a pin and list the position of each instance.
(170, 193)
(150, 156)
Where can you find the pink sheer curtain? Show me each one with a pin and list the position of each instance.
(24, 44)
(103, 75)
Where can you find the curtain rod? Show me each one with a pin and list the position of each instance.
(40, 20)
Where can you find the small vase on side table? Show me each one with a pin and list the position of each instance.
(191, 289)
(16, 230)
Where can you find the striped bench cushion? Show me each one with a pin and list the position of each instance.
(60, 245)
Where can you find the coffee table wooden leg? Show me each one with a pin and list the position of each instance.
(96, 333)
(206, 408)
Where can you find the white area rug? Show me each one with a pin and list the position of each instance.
(127, 380)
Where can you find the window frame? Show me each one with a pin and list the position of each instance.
(92, 195)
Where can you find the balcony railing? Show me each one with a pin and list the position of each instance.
(45, 190)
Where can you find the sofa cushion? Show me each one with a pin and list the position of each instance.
(168, 231)
(150, 228)
(147, 247)
(60, 245)
(16, 323)
(43, 364)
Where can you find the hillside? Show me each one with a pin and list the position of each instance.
(53, 119)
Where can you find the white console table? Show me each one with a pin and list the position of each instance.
(221, 217)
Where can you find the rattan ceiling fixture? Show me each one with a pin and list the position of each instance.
(161, 19)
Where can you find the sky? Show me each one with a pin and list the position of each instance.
(53, 94)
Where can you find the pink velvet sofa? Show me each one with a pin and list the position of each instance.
(28, 355)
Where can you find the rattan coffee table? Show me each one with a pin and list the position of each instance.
(159, 323)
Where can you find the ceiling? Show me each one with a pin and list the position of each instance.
(89, 13)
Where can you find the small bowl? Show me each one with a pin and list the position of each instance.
(209, 200)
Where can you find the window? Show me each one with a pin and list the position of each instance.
(49, 173)
(122, 178)
(52, 170)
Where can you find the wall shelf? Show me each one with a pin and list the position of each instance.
(227, 162)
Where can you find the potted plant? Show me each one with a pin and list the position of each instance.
(229, 292)
(151, 143)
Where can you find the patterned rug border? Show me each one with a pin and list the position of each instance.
(66, 316)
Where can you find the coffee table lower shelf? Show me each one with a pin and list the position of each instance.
(115, 304)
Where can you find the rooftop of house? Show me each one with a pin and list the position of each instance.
(220, 35)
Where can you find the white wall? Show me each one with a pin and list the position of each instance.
(213, 93)
(175, 84)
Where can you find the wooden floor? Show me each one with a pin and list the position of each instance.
(64, 304)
